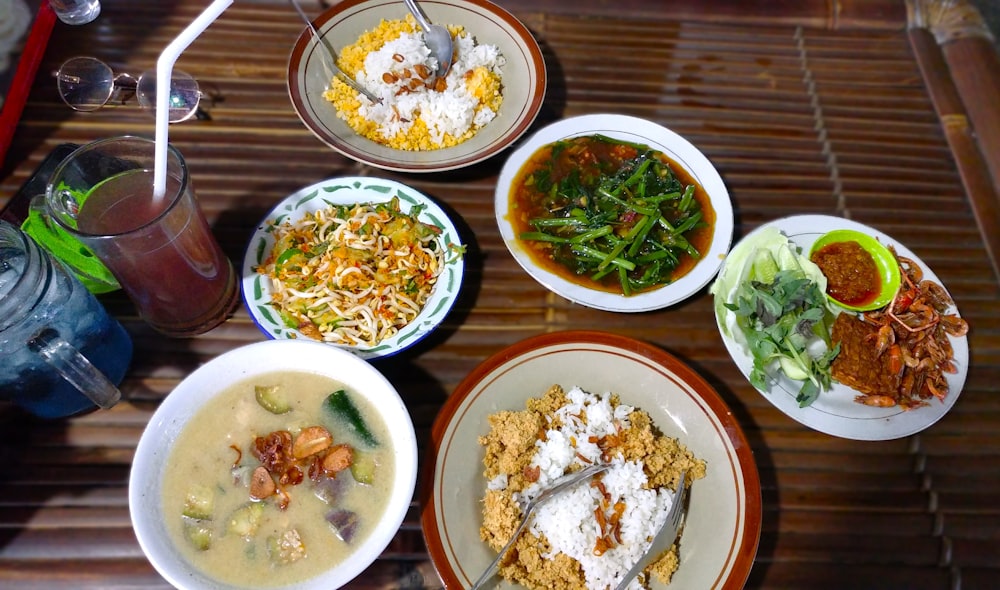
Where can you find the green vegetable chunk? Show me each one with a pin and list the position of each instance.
(340, 406)
(363, 468)
(246, 519)
(272, 399)
(199, 502)
(198, 533)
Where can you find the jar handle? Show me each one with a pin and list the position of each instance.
(75, 368)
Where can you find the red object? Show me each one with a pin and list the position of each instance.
(24, 77)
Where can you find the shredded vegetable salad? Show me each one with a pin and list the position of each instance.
(353, 274)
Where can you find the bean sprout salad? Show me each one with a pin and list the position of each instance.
(353, 274)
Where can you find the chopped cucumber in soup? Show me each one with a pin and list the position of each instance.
(199, 502)
(340, 406)
(199, 533)
(272, 399)
(363, 468)
(246, 519)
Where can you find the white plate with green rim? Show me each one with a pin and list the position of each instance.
(257, 289)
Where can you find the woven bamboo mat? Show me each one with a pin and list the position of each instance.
(804, 111)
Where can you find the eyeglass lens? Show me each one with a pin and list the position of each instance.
(184, 94)
(87, 83)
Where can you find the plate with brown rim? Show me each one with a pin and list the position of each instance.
(723, 522)
(523, 80)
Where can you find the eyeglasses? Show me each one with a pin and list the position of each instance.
(87, 84)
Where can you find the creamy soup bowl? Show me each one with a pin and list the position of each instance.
(146, 481)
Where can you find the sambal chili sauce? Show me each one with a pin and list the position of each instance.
(561, 182)
(851, 273)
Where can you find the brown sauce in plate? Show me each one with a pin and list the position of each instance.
(851, 273)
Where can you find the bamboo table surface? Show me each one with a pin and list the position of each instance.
(876, 111)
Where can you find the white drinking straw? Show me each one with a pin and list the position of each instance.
(164, 73)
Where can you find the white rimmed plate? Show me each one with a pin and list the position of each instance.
(835, 412)
(257, 289)
(657, 137)
(523, 80)
(723, 522)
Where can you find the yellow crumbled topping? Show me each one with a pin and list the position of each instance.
(480, 82)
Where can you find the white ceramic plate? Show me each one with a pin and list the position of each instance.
(723, 521)
(635, 130)
(835, 412)
(346, 191)
(523, 79)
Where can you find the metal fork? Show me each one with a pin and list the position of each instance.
(560, 485)
(664, 539)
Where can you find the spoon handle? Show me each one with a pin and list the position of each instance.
(418, 14)
(554, 490)
(331, 61)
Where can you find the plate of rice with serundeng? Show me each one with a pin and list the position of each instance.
(625, 402)
(488, 98)
(592, 534)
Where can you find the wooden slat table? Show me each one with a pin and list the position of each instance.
(881, 111)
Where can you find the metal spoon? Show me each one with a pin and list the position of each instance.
(437, 38)
(557, 487)
(330, 61)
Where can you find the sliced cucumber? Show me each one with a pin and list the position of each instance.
(271, 398)
(246, 519)
(198, 533)
(340, 406)
(199, 502)
(363, 468)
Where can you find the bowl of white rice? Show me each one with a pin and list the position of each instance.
(422, 123)
(605, 378)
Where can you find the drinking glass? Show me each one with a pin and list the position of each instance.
(60, 352)
(86, 84)
(160, 249)
(76, 12)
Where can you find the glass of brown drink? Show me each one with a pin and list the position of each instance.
(160, 249)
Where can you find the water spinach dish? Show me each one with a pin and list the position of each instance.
(610, 215)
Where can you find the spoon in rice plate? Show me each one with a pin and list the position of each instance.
(437, 38)
(663, 539)
(557, 487)
(330, 62)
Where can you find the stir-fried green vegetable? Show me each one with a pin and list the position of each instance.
(612, 211)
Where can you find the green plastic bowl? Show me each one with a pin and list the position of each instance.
(887, 265)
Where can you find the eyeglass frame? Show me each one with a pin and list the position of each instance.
(125, 86)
